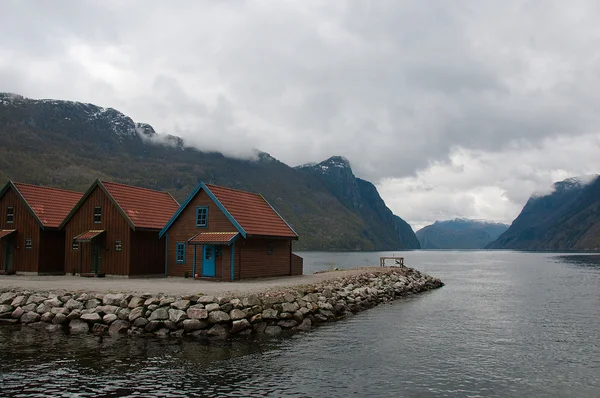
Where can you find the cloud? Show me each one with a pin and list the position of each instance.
(413, 93)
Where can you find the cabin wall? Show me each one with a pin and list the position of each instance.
(297, 265)
(116, 227)
(185, 227)
(52, 254)
(24, 260)
(255, 261)
(147, 254)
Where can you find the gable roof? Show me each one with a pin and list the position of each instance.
(142, 207)
(48, 205)
(249, 212)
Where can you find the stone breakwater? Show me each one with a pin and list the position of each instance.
(271, 313)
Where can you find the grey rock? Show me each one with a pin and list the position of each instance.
(47, 317)
(113, 299)
(290, 307)
(197, 306)
(106, 309)
(181, 305)
(305, 326)
(159, 314)
(109, 318)
(43, 308)
(118, 326)
(74, 305)
(177, 333)
(30, 317)
(218, 331)
(298, 316)
(78, 326)
(152, 307)
(6, 308)
(251, 301)
(218, 317)
(212, 307)
(136, 313)
(52, 328)
(222, 300)
(206, 299)
(19, 301)
(123, 313)
(162, 332)
(17, 313)
(269, 314)
(53, 302)
(327, 293)
(170, 325)
(197, 313)
(152, 326)
(289, 323)
(189, 325)
(320, 317)
(7, 298)
(236, 303)
(326, 306)
(260, 327)
(239, 325)
(36, 299)
(166, 301)
(136, 302)
(60, 310)
(60, 319)
(177, 315)
(273, 330)
(226, 307)
(92, 318)
(98, 328)
(140, 322)
(256, 318)
(92, 303)
(152, 301)
(75, 314)
(237, 314)
(30, 307)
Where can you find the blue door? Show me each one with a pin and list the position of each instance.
(208, 261)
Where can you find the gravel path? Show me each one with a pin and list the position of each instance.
(172, 286)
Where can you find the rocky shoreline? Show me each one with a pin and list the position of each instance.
(271, 313)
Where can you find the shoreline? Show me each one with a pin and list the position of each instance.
(263, 307)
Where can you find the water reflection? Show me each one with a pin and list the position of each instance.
(583, 260)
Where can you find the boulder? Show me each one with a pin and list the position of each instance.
(106, 309)
(92, 303)
(136, 302)
(7, 298)
(75, 314)
(118, 326)
(197, 313)
(30, 307)
(305, 326)
(36, 299)
(290, 323)
(298, 316)
(239, 325)
(269, 314)
(159, 314)
(166, 301)
(273, 330)
(170, 325)
(289, 307)
(59, 319)
(6, 308)
(218, 317)
(30, 317)
(109, 318)
(218, 331)
(212, 307)
(181, 305)
(177, 315)
(206, 299)
(251, 301)
(226, 307)
(140, 322)
(17, 313)
(78, 326)
(53, 302)
(222, 300)
(189, 325)
(123, 313)
(113, 299)
(136, 313)
(260, 327)
(152, 326)
(74, 305)
(43, 308)
(47, 317)
(60, 310)
(19, 301)
(237, 314)
(91, 318)
(152, 301)
(163, 332)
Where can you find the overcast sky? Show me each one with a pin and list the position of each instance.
(453, 108)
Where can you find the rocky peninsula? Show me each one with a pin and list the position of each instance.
(270, 313)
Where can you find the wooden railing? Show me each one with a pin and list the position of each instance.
(398, 261)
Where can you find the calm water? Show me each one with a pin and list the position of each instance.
(506, 324)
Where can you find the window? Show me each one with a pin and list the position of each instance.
(97, 215)
(75, 245)
(201, 216)
(10, 215)
(270, 248)
(180, 253)
(28, 244)
(118, 246)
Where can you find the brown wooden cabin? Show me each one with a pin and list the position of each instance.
(114, 230)
(30, 237)
(227, 234)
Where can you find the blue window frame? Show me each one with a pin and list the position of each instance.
(180, 253)
(202, 216)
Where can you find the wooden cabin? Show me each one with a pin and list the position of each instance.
(30, 237)
(114, 230)
(227, 234)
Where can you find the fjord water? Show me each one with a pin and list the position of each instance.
(507, 324)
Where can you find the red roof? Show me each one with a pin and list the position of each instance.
(6, 232)
(213, 238)
(146, 208)
(88, 235)
(254, 214)
(50, 205)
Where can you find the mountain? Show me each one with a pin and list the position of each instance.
(566, 219)
(69, 144)
(361, 198)
(459, 233)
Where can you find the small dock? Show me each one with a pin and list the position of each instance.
(398, 261)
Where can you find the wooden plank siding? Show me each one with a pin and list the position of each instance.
(24, 260)
(184, 228)
(116, 227)
(297, 265)
(52, 254)
(147, 254)
(256, 262)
